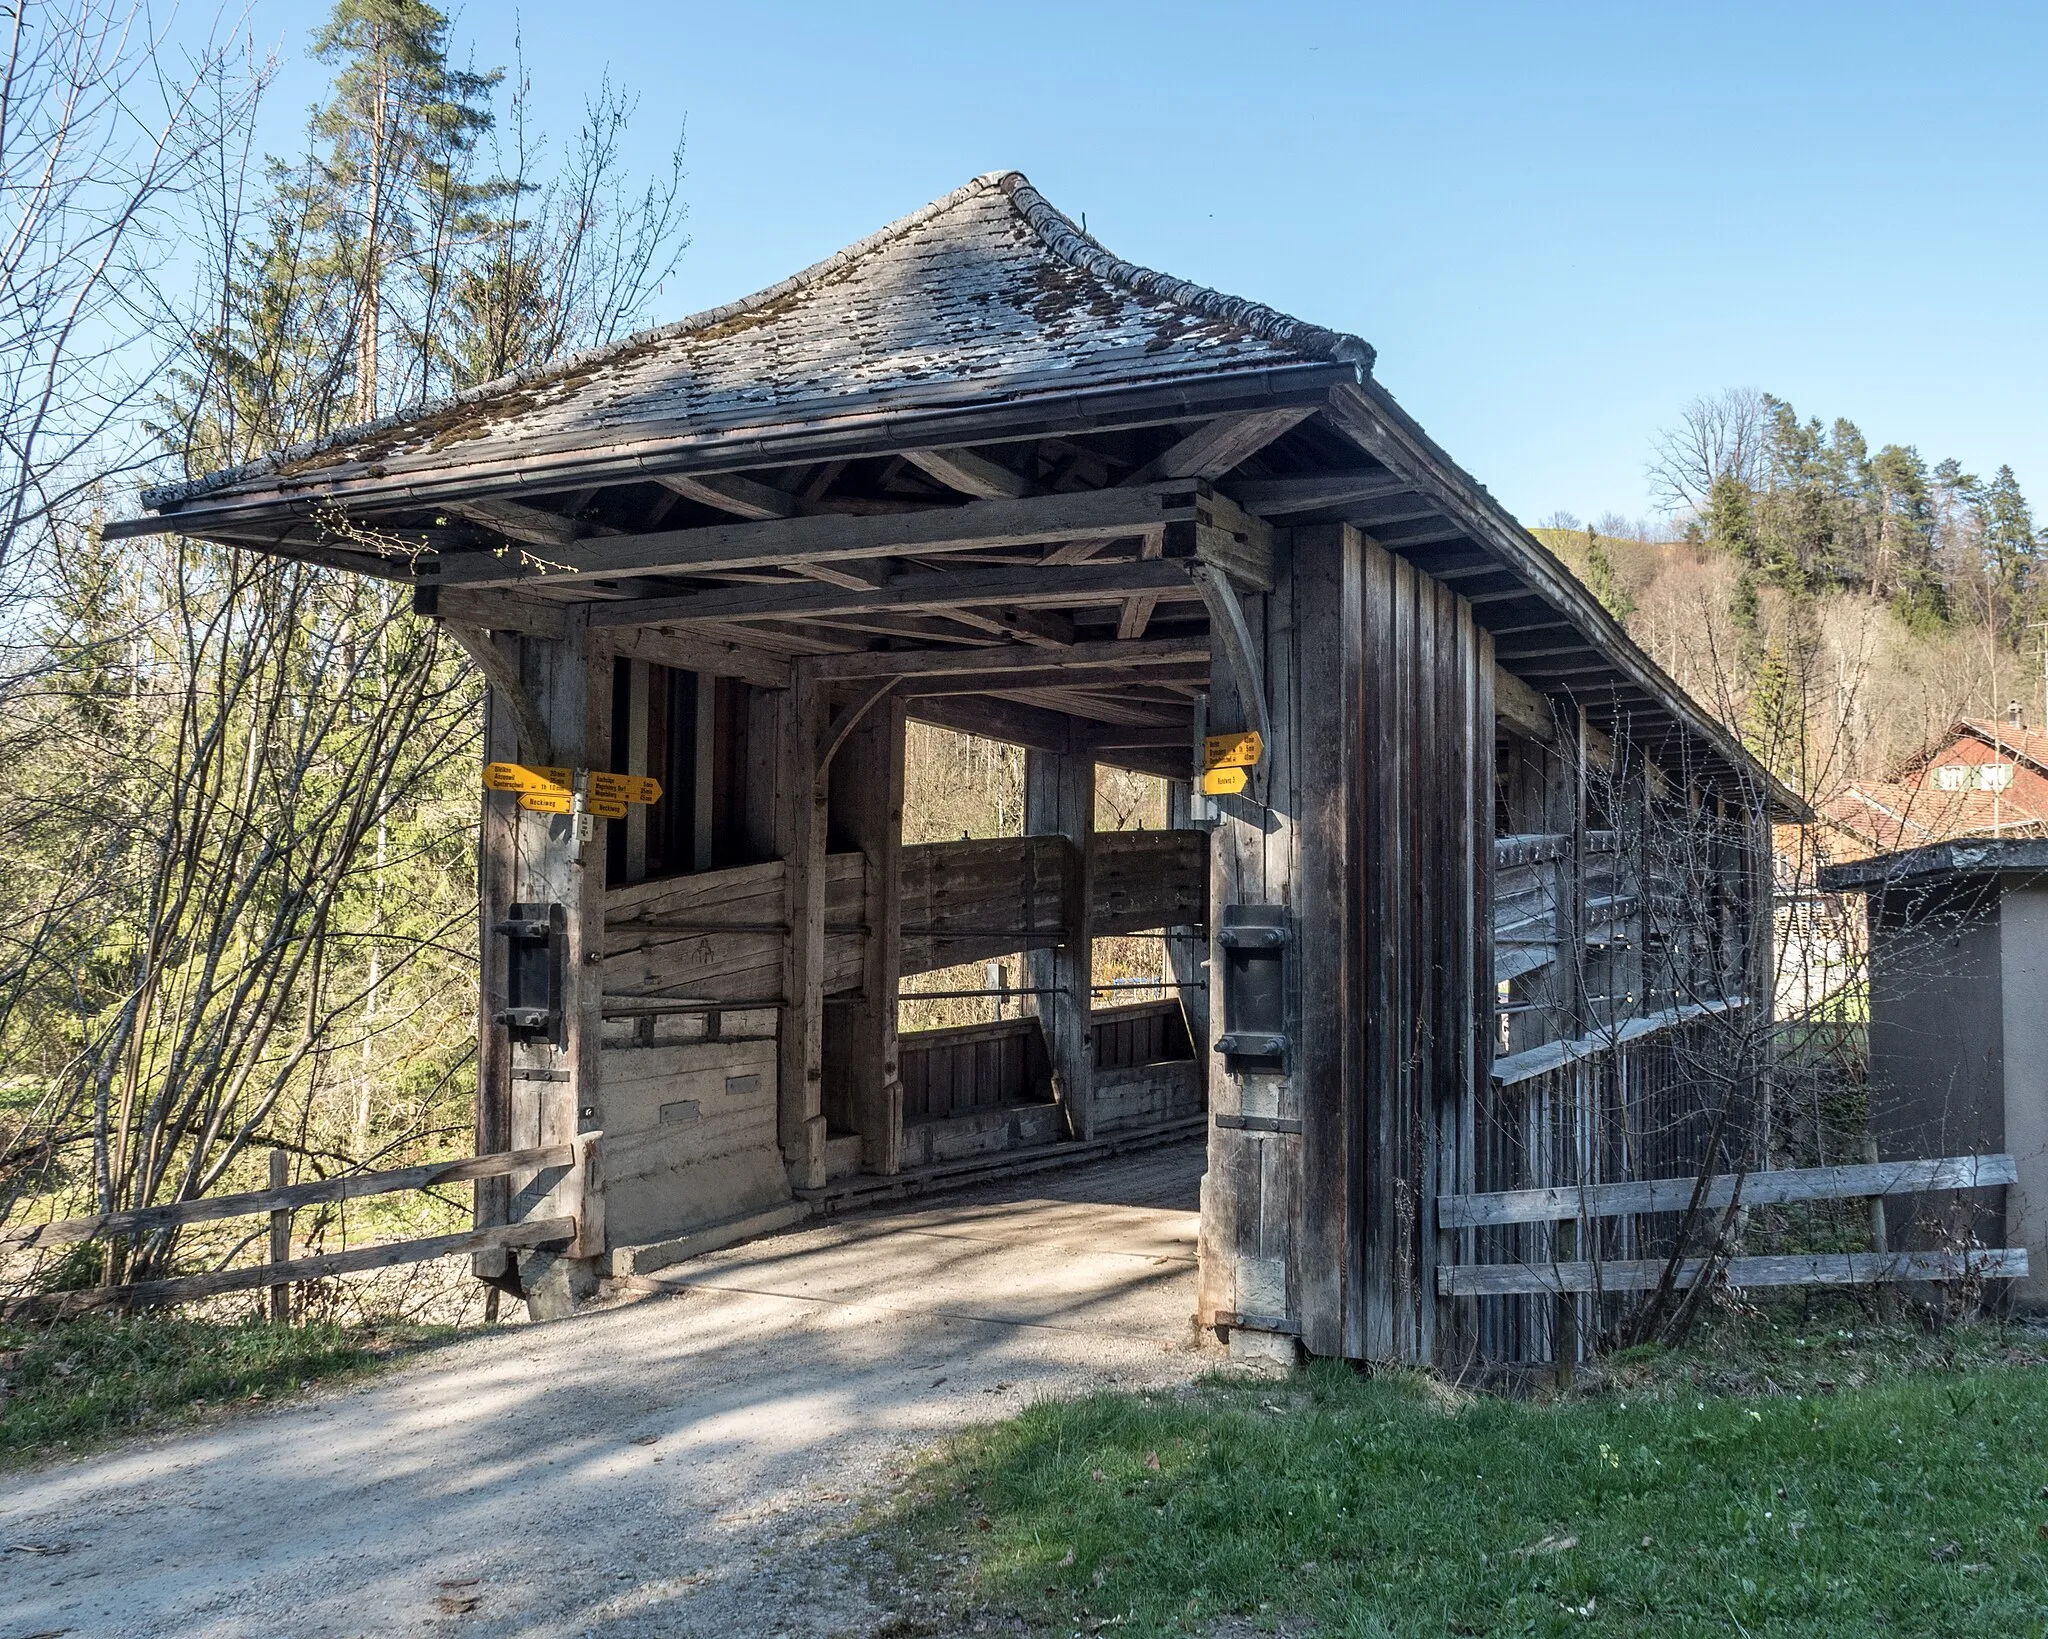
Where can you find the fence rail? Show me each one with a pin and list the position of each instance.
(1564, 1202)
(1803, 1269)
(280, 1201)
(347, 1187)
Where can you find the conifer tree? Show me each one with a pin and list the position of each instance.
(397, 198)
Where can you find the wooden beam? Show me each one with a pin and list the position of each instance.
(1121, 681)
(1802, 1269)
(699, 652)
(1219, 445)
(522, 522)
(1851, 1183)
(1036, 520)
(731, 492)
(1010, 721)
(1522, 708)
(1076, 584)
(349, 1186)
(970, 474)
(992, 662)
(1273, 497)
(1059, 800)
(185, 1288)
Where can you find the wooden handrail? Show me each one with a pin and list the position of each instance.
(384, 1255)
(346, 1187)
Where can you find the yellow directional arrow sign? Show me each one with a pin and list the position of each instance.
(607, 807)
(1223, 782)
(1239, 750)
(622, 788)
(517, 777)
(546, 802)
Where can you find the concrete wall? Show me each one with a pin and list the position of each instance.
(689, 1129)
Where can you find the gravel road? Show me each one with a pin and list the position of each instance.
(686, 1461)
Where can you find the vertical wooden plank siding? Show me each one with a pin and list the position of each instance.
(1325, 739)
(1059, 800)
(1245, 1257)
(1424, 788)
(800, 1118)
(554, 1094)
(867, 814)
(495, 882)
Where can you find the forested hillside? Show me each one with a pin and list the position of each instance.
(1839, 605)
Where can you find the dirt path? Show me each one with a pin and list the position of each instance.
(677, 1465)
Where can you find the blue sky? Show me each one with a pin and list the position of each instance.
(1557, 223)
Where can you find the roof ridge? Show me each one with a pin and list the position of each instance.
(583, 359)
(1080, 249)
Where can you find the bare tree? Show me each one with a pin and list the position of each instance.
(98, 142)
(1717, 437)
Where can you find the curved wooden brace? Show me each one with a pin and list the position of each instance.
(1226, 620)
(536, 745)
(847, 719)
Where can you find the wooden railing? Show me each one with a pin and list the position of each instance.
(280, 1201)
(1566, 1203)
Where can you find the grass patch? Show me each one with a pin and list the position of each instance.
(1343, 1505)
(78, 1382)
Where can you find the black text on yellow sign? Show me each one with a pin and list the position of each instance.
(551, 790)
(1224, 782)
(533, 781)
(1237, 750)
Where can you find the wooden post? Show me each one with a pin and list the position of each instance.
(555, 1095)
(866, 783)
(1187, 948)
(800, 1038)
(1059, 800)
(496, 884)
(633, 760)
(280, 1240)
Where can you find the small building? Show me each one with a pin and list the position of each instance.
(1980, 779)
(1959, 1032)
(1472, 882)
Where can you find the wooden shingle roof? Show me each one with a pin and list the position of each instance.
(975, 430)
(987, 293)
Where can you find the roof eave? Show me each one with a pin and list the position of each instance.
(1386, 431)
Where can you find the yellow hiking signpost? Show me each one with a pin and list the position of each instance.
(1226, 759)
(553, 790)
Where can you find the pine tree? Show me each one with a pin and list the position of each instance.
(1602, 581)
(401, 129)
(1905, 537)
(2009, 547)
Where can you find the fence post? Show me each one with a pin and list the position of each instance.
(280, 1239)
(1880, 1234)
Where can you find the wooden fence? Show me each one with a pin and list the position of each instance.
(280, 1201)
(1587, 1203)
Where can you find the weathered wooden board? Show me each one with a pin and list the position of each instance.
(1537, 1061)
(1565, 1201)
(530, 1232)
(970, 900)
(348, 1187)
(1802, 1269)
(719, 935)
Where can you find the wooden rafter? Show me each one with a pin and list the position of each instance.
(1217, 446)
(970, 474)
(731, 492)
(786, 542)
(1078, 585)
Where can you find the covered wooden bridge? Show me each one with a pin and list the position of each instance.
(1489, 866)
